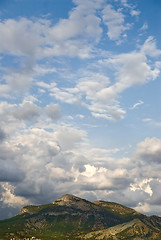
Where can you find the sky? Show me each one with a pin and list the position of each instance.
(80, 102)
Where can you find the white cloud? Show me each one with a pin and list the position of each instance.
(92, 92)
(46, 85)
(96, 91)
(143, 185)
(133, 70)
(27, 44)
(150, 150)
(66, 95)
(140, 102)
(152, 123)
(144, 27)
(69, 138)
(135, 12)
(80, 116)
(4, 90)
(147, 120)
(114, 21)
(27, 111)
(81, 22)
(10, 199)
(149, 209)
(18, 80)
(149, 48)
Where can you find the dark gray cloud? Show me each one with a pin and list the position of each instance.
(9, 171)
(156, 196)
(127, 197)
(2, 135)
(8, 212)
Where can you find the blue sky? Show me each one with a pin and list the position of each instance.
(80, 102)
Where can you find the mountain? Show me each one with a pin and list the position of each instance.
(71, 217)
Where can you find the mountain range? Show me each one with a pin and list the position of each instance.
(71, 218)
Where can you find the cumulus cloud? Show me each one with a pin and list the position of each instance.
(150, 150)
(41, 157)
(46, 160)
(28, 41)
(8, 197)
(114, 21)
(74, 36)
(27, 111)
(61, 38)
(133, 69)
(149, 48)
(100, 94)
(82, 22)
(43, 164)
(53, 111)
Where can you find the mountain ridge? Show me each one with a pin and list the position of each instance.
(71, 217)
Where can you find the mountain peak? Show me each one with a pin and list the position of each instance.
(67, 198)
(72, 201)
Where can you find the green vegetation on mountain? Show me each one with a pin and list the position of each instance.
(72, 218)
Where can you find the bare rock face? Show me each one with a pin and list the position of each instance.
(25, 210)
(73, 201)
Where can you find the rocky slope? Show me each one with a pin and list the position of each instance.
(135, 229)
(71, 217)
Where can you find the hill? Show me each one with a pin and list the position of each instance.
(71, 217)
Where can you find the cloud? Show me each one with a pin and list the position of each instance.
(9, 171)
(94, 178)
(66, 95)
(150, 150)
(140, 102)
(8, 198)
(28, 41)
(151, 122)
(81, 22)
(27, 44)
(99, 94)
(53, 111)
(92, 92)
(144, 27)
(74, 36)
(114, 21)
(135, 12)
(27, 111)
(2, 135)
(41, 156)
(149, 48)
(45, 163)
(69, 138)
(132, 70)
